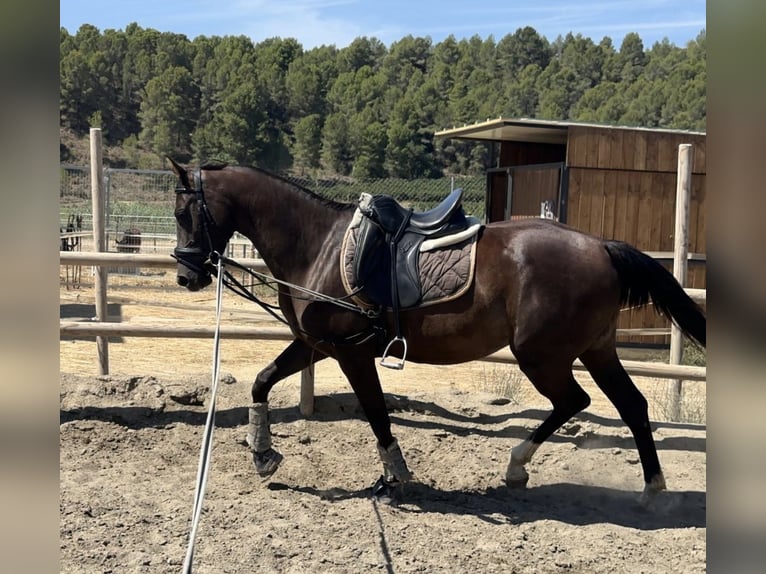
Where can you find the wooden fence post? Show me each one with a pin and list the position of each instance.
(307, 391)
(680, 255)
(99, 241)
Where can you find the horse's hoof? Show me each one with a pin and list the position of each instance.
(516, 477)
(517, 483)
(652, 489)
(266, 462)
(387, 492)
(647, 498)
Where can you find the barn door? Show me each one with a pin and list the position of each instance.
(498, 194)
(527, 191)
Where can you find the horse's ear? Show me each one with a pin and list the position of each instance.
(180, 172)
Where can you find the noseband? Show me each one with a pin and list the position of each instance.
(194, 256)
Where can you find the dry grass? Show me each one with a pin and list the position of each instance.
(689, 407)
(504, 381)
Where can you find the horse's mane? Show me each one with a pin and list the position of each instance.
(213, 165)
(339, 206)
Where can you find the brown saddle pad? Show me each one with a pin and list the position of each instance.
(446, 272)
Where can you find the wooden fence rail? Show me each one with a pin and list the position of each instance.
(110, 259)
(152, 260)
(94, 328)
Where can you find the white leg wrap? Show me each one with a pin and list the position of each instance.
(394, 467)
(258, 433)
(520, 455)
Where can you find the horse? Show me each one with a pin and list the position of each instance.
(548, 292)
(130, 241)
(70, 241)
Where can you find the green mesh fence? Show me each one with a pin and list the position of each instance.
(144, 199)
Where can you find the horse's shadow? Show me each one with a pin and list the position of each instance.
(345, 406)
(574, 504)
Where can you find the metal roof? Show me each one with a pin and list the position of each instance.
(531, 130)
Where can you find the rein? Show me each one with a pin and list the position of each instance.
(266, 280)
(243, 291)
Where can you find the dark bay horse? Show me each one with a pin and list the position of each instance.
(546, 291)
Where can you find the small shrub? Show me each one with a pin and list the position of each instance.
(691, 406)
(693, 355)
(503, 381)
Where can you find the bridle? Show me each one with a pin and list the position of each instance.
(195, 255)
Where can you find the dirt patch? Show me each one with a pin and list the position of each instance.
(129, 448)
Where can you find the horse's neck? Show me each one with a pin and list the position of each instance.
(291, 229)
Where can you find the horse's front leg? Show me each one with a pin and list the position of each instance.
(359, 368)
(296, 357)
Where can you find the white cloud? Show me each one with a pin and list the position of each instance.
(305, 20)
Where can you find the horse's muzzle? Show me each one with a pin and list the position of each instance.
(193, 268)
(192, 281)
(193, 278)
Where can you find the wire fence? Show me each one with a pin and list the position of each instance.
(140, 204)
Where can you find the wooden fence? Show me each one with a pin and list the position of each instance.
(102, 329)
(106, 329)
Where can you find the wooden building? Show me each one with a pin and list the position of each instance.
(613, 182)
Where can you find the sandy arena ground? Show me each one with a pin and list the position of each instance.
(129, 448)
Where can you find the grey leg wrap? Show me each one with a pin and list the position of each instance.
(266, 459)
(394, 467)
(258, 433)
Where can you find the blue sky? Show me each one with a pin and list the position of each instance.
(338, 22)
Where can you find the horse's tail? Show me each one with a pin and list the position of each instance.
(642, 278)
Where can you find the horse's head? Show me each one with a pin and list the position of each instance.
(197, 233)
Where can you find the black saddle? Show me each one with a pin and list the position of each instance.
(445, 218)
(387, 256)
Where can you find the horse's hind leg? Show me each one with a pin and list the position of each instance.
(296, 357)
(568, 398)
(606, 369)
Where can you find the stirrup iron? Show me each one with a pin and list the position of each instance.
(395, 362)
